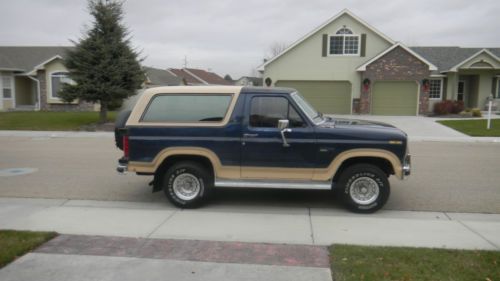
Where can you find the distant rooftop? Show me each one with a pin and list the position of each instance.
(195, 76)
(447, 57)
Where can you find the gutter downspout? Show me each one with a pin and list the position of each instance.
(38, 104)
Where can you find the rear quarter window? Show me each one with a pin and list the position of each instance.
(187, 108)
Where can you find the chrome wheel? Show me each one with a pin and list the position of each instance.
(364, 190)
(186, 186)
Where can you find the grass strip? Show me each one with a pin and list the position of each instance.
(350, 262)
(14, 244)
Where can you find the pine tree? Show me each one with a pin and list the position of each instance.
(104, 66)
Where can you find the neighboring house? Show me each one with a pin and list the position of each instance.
(347, 66)
(249, 81)
(193, 76)
(31, 78)
(159, 77)
(155, 77)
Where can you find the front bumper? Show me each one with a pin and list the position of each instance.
(122, 167)
(407, 166)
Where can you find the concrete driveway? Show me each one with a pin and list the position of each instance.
(420, 128)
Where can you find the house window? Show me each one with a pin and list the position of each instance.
(58, 80)
(7, 86)
(344, 42)
(435, 88)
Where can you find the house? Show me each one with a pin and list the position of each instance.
(249, 81)
(347, 66)
(31, 78)
(159, 77)
(193, 76)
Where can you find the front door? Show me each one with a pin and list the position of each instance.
(461, 91)
(264, 155)
(1, 92)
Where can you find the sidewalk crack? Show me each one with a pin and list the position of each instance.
(162, 223)
(480, 235)
(310, 225)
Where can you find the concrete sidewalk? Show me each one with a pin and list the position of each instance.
(287, 225)
(76, 257)
(217, 243)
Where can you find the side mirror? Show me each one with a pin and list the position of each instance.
(283, 124)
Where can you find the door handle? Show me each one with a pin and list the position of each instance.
(250, 135)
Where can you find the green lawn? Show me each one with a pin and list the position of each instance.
(49, 121)
(14, 244)
(475, 128)
(405, 264)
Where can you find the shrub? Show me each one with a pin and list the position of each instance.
(476, 112)
(458, 106)
(448, 106)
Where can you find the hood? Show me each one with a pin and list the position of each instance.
(340, 122)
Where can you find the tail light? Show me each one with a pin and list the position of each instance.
(125, 146)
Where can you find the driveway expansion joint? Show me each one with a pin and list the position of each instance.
(479, 234)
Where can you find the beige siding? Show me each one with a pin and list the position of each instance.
(24, 91)
(305, 61)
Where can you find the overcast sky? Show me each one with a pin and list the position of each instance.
(232, 36)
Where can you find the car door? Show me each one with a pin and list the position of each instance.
(264, 155)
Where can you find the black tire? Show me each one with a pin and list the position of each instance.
(194, 174)
(120, 122)
(360, 180)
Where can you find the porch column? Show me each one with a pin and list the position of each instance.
(451, 86)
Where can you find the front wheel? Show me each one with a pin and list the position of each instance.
(364, 188)
(187, 184)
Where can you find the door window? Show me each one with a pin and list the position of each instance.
(265, 112)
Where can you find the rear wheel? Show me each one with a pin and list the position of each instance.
(364, 188)
(187, 184)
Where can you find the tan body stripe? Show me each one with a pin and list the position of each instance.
(234, 172)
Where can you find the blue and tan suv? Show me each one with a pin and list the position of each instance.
(195, 139)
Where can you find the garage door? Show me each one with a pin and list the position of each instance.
(395, 98)
(326, 96)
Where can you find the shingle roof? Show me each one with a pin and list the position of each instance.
(209, 77)
(25, 58)
(195, 76)
(190, 80)
(161, 77)
(447, 57)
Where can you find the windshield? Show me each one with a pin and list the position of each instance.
(312, 113)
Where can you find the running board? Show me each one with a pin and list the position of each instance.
(279, 184)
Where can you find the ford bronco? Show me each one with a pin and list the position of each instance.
(194, 139)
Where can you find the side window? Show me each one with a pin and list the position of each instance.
(187, 108)
(265, 112)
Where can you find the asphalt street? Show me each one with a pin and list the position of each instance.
(446, 177)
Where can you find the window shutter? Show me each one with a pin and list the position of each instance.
(325, 45)
(363, 45)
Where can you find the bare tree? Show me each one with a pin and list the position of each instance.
(275, 49)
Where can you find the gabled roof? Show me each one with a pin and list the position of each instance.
(195, 76)
(432, 67)
(447, 58)
(160, 77)
(317, 29)
(27, 58)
